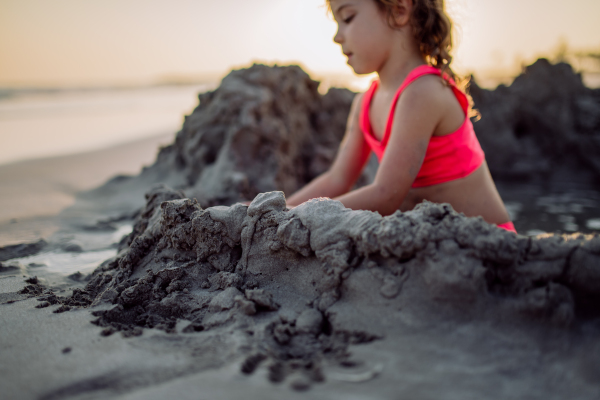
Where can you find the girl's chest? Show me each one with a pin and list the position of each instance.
(379, 112)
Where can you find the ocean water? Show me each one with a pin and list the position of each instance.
(101, 246)
(563, 208)
(45, 123)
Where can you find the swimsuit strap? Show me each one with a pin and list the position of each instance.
(413, 76)
(417, 73)
(364, 116)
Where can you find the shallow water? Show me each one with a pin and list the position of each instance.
(564, 208)
(43, 124)
(67, 263)
(81, 251)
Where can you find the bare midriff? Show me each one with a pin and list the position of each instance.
(482, 199)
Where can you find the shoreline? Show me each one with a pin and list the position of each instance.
(36, 190)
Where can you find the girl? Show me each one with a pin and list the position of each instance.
(413, 117)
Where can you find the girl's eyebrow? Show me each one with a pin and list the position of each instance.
(341, 7)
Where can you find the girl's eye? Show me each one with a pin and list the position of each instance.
(348, 19)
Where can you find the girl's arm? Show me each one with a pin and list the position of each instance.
(350, 160)
(417, 114)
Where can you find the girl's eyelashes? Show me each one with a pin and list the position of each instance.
(348, 19)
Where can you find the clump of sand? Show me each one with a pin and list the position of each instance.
(546, 121)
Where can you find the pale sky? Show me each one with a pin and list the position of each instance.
(95, 42)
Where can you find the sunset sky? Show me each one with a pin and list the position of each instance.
(96, 42)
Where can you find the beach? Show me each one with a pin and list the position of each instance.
(58, 142)
(186, 292)
(35, 191)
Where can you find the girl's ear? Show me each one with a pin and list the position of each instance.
(402, 12)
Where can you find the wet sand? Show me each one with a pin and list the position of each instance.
(33, 192)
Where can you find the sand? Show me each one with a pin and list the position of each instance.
(547, 121)
(318, 298)
(209, 298)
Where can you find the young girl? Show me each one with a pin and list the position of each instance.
(413, 117)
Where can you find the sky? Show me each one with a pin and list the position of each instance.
(99, 42)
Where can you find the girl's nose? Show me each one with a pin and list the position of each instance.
(338, 37)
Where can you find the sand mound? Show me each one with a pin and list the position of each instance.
(304, 283)
(263, 129)
(545, 121)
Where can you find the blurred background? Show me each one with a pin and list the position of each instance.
(79, 77)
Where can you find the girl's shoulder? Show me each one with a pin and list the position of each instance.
(433, 98)
(429, 93)
(429, 86)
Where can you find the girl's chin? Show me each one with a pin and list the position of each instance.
(360, 71)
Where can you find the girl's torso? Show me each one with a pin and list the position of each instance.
(454, 170)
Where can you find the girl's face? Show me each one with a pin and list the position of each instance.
(364, 34)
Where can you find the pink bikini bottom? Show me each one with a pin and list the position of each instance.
(509, 226)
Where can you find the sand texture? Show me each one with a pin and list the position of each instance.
(209, 298)
(297, 288)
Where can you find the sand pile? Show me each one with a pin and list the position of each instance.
(263, 129)
(545, 121)
(302, 284)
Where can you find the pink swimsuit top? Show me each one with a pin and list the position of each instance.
(448, 157)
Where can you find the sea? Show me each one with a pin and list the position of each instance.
(38, 123)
